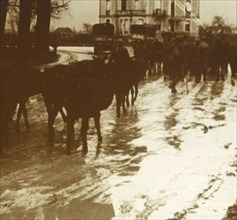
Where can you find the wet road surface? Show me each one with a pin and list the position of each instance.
(170, 156)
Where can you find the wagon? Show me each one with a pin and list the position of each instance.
(103, 37)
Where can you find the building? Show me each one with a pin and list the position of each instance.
(166, 15)
(64, 33)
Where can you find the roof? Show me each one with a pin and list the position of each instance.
(63, 29)
(103, 29)
(141, 29)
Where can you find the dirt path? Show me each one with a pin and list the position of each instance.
(171, 156)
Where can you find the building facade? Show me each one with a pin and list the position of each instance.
(166, 15)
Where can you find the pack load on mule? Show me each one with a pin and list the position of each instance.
(232, 58)
(103, 37)
(223, 50)
(143, 38)
(142, 32)
(177, 57)
(24, 82)
(84, 89)
(18, 84)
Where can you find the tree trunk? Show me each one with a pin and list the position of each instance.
(3, 14)
(42, 26)
(24, 40)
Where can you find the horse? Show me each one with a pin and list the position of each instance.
(84, 90)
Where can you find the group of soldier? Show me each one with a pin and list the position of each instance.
(180, 55)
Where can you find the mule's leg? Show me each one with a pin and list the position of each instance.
(204, 71)
(97, 125)
(173, 85)
(132, 94)
(49, 108)
(216, 71)
(18, 117)
(84, 129)
(233, 68)
(118, 104)
(159, 68)
(154, 67)
(63, 115)
(25, 114)
(4, 131)
(70, 133)
(123, 102)
(198, 74)
(52, 114)
(136, 92)
(127, 98)
(224, 70)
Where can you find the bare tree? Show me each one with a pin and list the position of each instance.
(34, 15)
(43, 12)
(87, 28)
(3, 13)
(46, 9)
(58, 7)
(24, 42)
(219, 26)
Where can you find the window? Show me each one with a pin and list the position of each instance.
(136, 4)
(124, 5)
(157, 11)
(188, 8)
(108, 6)
(172, 25)
(126, 26)
(158, 4)
(140, 21)
(172, 8)
(121, 26)
(187, 26)
(158, 24)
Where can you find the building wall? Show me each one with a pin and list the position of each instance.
(142, 11)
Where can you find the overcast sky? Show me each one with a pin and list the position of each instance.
(87, 11)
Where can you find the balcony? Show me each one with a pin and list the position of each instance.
(131, 13)
(177, 18)
(158, 13)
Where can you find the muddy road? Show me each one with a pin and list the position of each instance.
(170, 156)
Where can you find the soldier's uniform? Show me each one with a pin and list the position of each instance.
(140, 52)
(120, 54)
(201, 60)
(174, 63)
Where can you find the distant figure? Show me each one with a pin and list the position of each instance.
(120, 54)
(140, 52)
(55, 46)
(219, 55)
(232, 58)
(174, 63)
(201, 59)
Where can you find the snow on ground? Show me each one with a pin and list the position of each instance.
(171, 156)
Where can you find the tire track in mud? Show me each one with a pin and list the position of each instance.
(65, 57)
(30, 173)
(86, 190)
(215, 183)
(179, 98)
(166, 107)
(38, 105)
(211, 108)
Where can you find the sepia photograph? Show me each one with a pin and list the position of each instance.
(118, 110)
